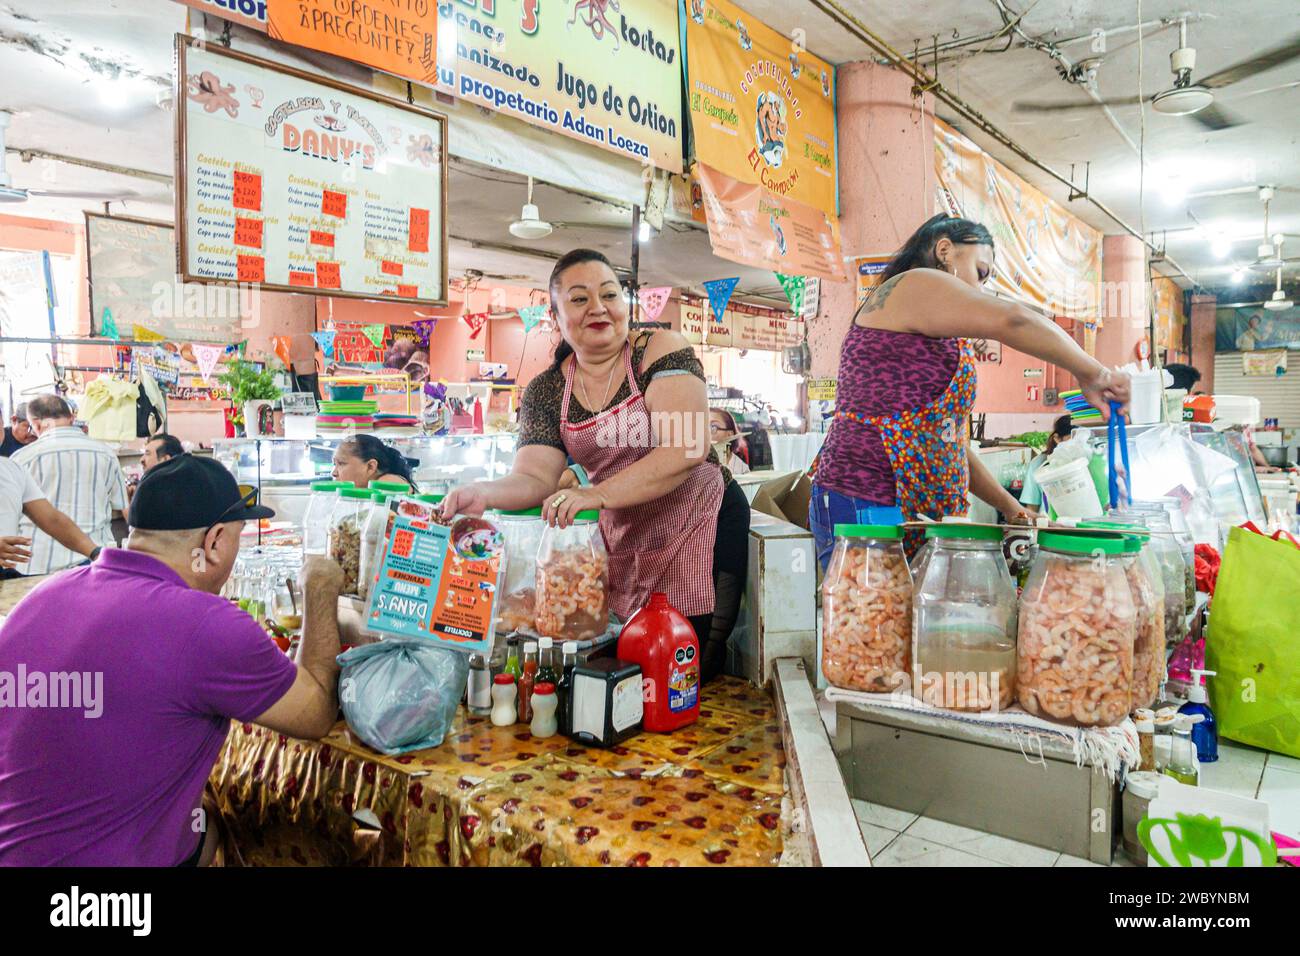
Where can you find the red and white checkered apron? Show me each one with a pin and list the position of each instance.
(663, 545)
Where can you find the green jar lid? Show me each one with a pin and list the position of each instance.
(357, 494)
(330, 485)
(399, 487)
(590, 515)
(430, 499)
(1080, 544)
(528, 513)
(963, 532)
(1133, 544)
(868, 531)
(380, 496)
(1129, 528)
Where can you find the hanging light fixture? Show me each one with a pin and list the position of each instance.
(530, 224)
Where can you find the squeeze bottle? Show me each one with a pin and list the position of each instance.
(663, 642)
(1205, 734)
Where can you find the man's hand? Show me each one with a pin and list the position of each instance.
(322, 576)
(1105, 387)
(14, 550)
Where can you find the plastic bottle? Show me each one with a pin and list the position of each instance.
(527, 679)
(663, 642)
(1182, 754)
(562, 692)
(1145, 720)
(478, 694)
(547, 671)
(512, 658)
(503, 700)
(1205, 734)
(544, 703)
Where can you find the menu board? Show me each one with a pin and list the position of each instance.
(742, 327)
(437, 582)
(130, 267)
(297, 183)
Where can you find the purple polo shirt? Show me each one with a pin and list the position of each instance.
(113, 777)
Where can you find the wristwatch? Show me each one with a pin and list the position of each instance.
(95, 554)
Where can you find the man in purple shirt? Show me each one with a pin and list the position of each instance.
(118, 682)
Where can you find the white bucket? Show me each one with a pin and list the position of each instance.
(1147, 392)
(1069, 489)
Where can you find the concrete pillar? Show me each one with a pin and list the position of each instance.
(1202, 318)
(886, 168)
(1123, 300)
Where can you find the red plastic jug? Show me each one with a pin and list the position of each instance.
(663, 642)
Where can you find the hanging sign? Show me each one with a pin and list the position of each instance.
(107, 327)
(762, 108)
(741, 326)
(653, 299)
(793, 286)
(531, 315)
(205, 356)
(141, 334)
(756, 228)
(812, 298)
(325, 339)
(720, 291)
(398, 37)
(280, 344)
(1269, 362)
(475, 321)
(310, 185)
(375, 333)
(423, 329)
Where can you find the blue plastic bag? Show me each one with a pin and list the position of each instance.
(401, 694)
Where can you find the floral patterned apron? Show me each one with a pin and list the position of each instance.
(662, 545)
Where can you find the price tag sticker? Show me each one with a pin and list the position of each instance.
(418, 236)
(248, 232)
(319, 238)
(248, 191)
(251, 268)
(390, 268)
(334, 204)
(408, 291)
(298, 277)
(327, 275)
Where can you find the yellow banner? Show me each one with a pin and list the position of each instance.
(1171, 318)
(1043, 255)
(821, 389)
(762, 108)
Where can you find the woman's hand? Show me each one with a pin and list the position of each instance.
(1105, 387)
(560, 508)
(469, 500)
(567, 480)
(14, 550)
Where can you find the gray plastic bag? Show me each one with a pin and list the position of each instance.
(401, 694)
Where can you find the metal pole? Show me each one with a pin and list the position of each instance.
(636, 263)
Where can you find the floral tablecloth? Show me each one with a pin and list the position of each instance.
(708, 795)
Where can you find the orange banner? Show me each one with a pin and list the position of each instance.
(1044, 256)
(868, 270)
(399, 36)
(749, 225)
(1171, 318)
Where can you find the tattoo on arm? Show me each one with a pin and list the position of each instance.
(876, 300)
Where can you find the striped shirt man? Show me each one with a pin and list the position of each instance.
(82, 478)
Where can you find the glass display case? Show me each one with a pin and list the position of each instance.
(283, 468)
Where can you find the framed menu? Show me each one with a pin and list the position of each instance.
(299, 183)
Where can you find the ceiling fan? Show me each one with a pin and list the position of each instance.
(1187, 98)
(9, 193)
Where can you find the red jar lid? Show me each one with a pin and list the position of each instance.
(504, 679)
(545, 687)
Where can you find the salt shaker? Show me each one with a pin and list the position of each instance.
(503, 700)
(478, 696)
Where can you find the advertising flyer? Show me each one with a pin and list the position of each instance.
(294, 183)
(762, 107)
(435, 581)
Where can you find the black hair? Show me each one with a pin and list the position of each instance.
(389, 459)
(49, 406)
(918, 251)
(1185, 376)
(169, 445)
(1063, 426)
(574, 257)
(737, 443)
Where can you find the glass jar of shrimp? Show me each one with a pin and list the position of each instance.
(573, 581)
(867, 610)
(964, 616)
(1074, 651)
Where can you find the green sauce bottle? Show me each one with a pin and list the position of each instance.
(513, 667)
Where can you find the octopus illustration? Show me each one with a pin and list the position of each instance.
(419, 149)
(770, 128)
(206, 88)
(795, 67)
(745, 42)
(697, 11)
(826, 84)
(594, 14)
(778, 233)
(256, 95)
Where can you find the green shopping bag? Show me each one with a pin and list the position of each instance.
(1252, 642)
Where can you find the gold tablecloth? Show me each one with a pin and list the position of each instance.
(708, 795)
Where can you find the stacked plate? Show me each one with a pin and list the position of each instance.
(346, 416)
(388, 421)
(1081, 413)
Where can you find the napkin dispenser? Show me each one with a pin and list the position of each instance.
(606, 703)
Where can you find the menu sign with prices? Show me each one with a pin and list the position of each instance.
(437, 582)
(299, 183)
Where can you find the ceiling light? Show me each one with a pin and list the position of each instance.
(1277, 238)
(1221, 245)
(1238, 275)
(530, 224)
(643, 234)
(1279, 302)
(1180, 102)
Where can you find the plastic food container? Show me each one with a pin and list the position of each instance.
(573, 580)
(347, 526)
(522, 531)
(1147, 588)
(374, 539)
(316, 519)
(867, 610)
(1168, 555)
(1069, 489)
(1077, 622)
(964, 616)
(1140, 789)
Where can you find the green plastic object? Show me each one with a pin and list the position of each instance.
(1198, 840)
(357, 493)
(397, 487)
(1080, 544)
(430, 499)
(868, 531)
(330, 485)
(528, 513)
(592, 514)
(966, 532)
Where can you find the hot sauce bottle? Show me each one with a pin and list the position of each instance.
(527, 679)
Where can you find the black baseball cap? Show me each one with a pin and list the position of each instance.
(185, 492)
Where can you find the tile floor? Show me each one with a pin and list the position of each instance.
(897, 838)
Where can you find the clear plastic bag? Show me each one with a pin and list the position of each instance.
(401, 694)
(522, 532)
(572, 599)
(867, 610)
